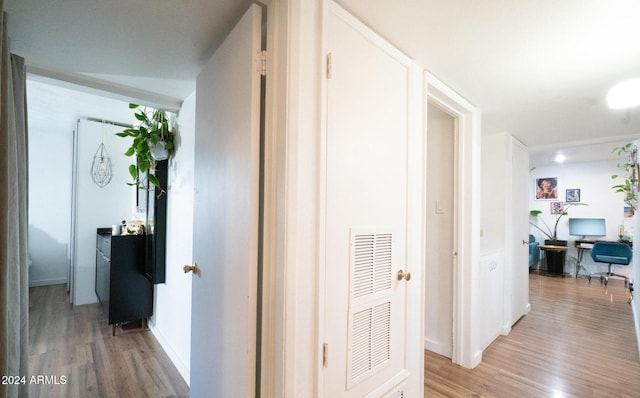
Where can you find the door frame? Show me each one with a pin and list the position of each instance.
(290, 310)
(466, 272)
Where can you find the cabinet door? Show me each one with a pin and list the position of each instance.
(102, 276)
(130, 291)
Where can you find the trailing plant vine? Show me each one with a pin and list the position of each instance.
(154, 129)
(630, 173)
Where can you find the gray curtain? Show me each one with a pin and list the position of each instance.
(14, 291)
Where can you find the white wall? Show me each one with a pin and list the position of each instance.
(493, 297)
(594, 181)
(53, 112)
(504, 267)
(49, 205)
(171, 322)
(493, 197)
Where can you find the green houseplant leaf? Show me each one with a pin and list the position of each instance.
(630, 172)
(552, 234)
(154, 128)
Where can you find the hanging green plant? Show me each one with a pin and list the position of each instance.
(630, 172)
(153, 140)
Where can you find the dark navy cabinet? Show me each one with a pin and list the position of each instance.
(122, 286)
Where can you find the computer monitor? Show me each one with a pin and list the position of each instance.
(587, 227)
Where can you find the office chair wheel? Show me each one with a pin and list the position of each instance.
(606, 280)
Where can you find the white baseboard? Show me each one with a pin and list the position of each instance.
(477, 358)
(436, 347)
(47, 282)
(636, 322)
(178, 362)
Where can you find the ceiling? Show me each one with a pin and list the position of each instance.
(538, 69)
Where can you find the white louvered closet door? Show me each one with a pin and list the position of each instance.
(369, 329)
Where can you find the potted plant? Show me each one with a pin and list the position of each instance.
(555, 259)
(631, 174)
(153, 140)
(552, 234)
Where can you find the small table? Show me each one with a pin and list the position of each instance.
(582, 245)
(556, 249)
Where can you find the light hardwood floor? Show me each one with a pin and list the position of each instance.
(577, 341)
(76, 343)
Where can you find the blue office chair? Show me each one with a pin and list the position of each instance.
(611, 253)
(534, 251)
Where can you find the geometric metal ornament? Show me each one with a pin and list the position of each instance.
(101, 170)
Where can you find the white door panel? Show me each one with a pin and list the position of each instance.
(367, 216)
(519, 261)
(225, 227)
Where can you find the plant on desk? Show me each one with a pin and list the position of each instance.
(555, 259)
(552, 234)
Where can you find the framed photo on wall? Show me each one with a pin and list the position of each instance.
(573, 195)
(546, 188)
(557, 207)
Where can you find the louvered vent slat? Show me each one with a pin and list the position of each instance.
(361, 362)
(372, 284)
(363, 266)
(380, 334)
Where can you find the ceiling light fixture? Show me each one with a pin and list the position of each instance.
(624, 95)
(101, 169)
(560, 158)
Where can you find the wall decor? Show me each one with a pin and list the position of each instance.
(573, 195)
(546, 188)
(557, 207)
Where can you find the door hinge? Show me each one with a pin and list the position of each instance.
(325, 355)
(329, 66)
(263, 62)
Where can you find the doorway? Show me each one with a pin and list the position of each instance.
(464, 251)
(441, 221)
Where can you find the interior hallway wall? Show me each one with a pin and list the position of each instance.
(171, 322)
(53, 112)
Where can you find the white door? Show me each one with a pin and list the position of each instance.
(225, 225)
(370, 150)
(519, 236)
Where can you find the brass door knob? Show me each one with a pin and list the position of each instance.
(402, 275)
(191, 268)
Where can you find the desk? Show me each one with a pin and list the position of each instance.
(554, 258)
(582, 245)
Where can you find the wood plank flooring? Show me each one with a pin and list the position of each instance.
(577, 341)
(74, 347)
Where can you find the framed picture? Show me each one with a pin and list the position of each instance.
(546, 188)
(573, 195)
(557, 207)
